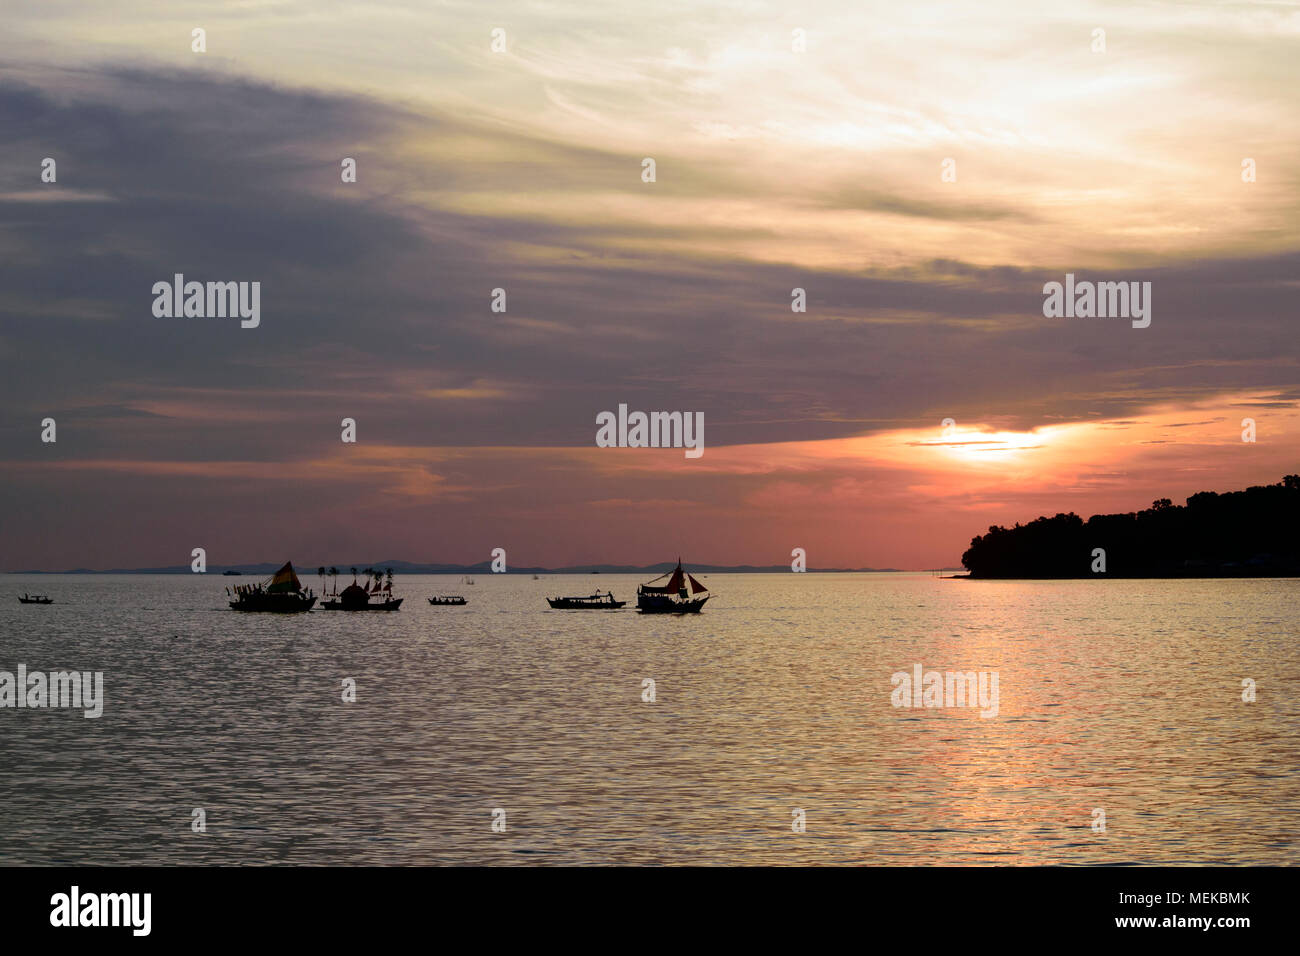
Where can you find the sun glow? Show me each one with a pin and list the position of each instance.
(973, 446)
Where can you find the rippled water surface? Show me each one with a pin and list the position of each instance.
(1119, 695)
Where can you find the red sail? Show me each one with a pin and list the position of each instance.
(696, 586)
(674, 585)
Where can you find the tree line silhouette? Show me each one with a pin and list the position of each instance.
(1251, 533)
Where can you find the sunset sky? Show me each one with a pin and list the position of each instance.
(521, 169)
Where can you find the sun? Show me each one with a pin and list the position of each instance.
(973, 446)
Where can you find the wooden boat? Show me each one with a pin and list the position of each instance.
(447, 599)
(375, 595)
(283, 594)
(681, 595)
(593, 602)
(35, 599)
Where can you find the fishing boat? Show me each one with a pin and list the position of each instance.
(283, 594)
(374, 595)
(445, 599)
(35, 599)
(596, 602)
(681, 595)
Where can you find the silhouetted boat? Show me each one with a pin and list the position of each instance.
(231, 573)
(596, 602)
(283, 594)
(374, 596)
(35, 599)
(681, 595)
(447, 599)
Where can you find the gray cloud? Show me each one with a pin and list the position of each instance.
(370, 303)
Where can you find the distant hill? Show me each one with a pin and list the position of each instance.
(1251, 533)
(483, 567)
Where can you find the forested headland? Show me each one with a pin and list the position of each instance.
(1251, 533)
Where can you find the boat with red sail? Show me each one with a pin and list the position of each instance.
(682, 594)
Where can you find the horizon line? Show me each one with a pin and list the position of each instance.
(484, 567)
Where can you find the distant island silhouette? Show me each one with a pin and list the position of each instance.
(1251, 533)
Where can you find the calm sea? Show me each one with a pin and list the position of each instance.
(1119, 696)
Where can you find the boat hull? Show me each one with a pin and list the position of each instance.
(448, 602)
(392, 604)
(662, 604)
(578, 604)
(36, 600)
(274, 604)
